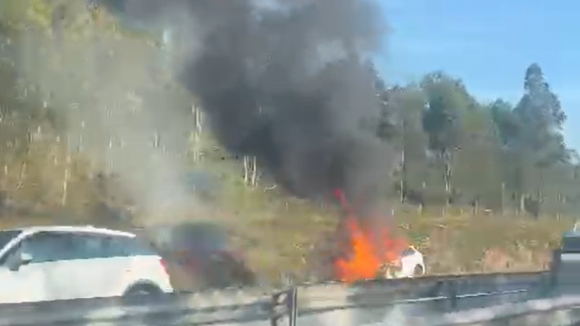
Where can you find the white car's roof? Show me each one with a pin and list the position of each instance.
(72, 229)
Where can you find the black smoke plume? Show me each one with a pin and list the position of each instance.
(285, 81)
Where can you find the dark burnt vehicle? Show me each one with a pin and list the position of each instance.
(565, 264)
(201, 256)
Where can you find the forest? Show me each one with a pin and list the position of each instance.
(95, 129)
(450, 149)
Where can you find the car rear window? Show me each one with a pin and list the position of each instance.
(6, 236)
(128, 246)
(571, 244)
(407, 252)
(200, 236)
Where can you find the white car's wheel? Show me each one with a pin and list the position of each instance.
(142, 289)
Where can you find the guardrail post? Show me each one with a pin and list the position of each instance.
(292, 306)
(554, 269)
(544, 286)
(287, 300)
(278, 299)
(452, 294)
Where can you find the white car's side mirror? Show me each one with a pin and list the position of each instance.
(25, 258)
(19, 260)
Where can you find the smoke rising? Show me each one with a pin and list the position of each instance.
(117, 112)
(282, 80)
(285, 81)
(289, 87)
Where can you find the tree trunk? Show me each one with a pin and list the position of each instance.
(250, 171)
(522, 204)
(502, 202)
(5, 180)
(21, 176)
(422, 201)
(65, 181)
(197, 133)
(254, 178)
(246, 160)
(541, 186)
(81, 137)
(403, 182)
(156, 140)
(447, 174)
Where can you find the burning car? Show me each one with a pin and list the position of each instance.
(409, 264)
(373, 250)
(375, 254)
(200, 256)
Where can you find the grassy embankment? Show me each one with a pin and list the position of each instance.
(279, 233)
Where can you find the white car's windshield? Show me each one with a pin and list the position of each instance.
(6, 236)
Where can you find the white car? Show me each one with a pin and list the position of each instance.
(410, 264)
(48, 263)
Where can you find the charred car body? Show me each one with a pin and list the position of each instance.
(201, 256)
(565, 264)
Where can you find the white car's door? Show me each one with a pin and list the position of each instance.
(103, 274)
(82, 265)
(18, 284)
(104, 277)
(68, 280)
(52, 252)
(116, 263)
(26, 284)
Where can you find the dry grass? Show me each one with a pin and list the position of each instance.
(279, 236)
(466, 243)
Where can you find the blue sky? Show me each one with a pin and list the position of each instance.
(488, 44)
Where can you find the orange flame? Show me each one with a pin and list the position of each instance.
(369, 249)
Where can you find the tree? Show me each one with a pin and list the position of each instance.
(540, 143)
(451, 147)
(384, 126)
(478, 173)
(405, 105)
(508, 127)
(508, 130)
(446, 98)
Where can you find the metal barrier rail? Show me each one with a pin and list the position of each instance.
(215, 307)
(541, 312)
(474, 279)
(383, 292)
(341, 305)
(246, 305)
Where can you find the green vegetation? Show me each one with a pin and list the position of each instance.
(480, 186)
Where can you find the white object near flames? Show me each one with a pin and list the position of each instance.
(410, 264)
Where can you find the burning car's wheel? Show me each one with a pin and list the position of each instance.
(227, 271)
(389, 271)
(418, 271)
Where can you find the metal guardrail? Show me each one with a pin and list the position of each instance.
(562, 311)
(208, 308)
(438, 294)
(447, 290)
(369, 302)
